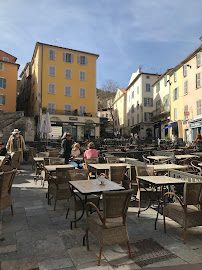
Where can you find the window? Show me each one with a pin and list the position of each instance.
(2, 99)
(138, 105)
(158, 87)
(51, 108)
(82, 76)
(176, 93)
(51, 70)
(175, 76)
(82, 60)
(147, 87)
(82, 92)
(82, 110)
(166, 102)
(198, 80)
(198, 59)
(1, 66)
(68, 90)
(185, 87)
(175, 114)
(158, 106)
(165, 81)
(3, 83)
(147, 117)
(68, 109)
(133, 94)
(51, 54)
(51, 88)
(186, 110)
(185, 70)
(198, 106)
(138, 120)
(132, 109)
(138, 90)
(68, 57)
(147, 77)
(5, 59)
(68, 73)
(148, 102)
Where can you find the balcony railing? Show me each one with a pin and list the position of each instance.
(162, 110)
(71, 113)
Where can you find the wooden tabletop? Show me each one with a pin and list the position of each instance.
(200, 164)
(159, 157)
(196, 154)
(37, 159)
(184, 156)
(94, 186)
(51, 168)
(106, 166)
(161, 180)
(165, 167)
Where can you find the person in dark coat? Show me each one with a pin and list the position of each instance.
(66, 147)
(3, 150)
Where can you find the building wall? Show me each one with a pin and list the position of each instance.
(11, 58)
(60, 81)
(119, 108)
(9, 73)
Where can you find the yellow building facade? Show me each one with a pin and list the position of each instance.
(64, 84)
(119, 111)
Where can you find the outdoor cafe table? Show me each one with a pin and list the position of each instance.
(184, 156)
(106, 166)
(52, 168)
(196, 154)
(165, 167)
(87, 187)
(158, 181)
(159, 157)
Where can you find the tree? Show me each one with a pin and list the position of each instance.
(110, 85)
(88, 126)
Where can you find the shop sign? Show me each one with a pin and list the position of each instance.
(73, 118)
(195, 124)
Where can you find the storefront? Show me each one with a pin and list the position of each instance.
(195, 126)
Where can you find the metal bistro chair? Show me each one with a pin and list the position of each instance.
(195, 166)
(112, 160)
(15, 160)
(6, 181)
(118, 175)
(77, 201)
(146, 160)
(185, 212)
(91, 161)
(109, 227)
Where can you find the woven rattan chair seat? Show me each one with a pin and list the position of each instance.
(110, 222)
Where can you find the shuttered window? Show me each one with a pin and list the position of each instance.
(165, 80)
(185, 87)
(175, 76)
(1, 66)
(198, 106)
(68, 90)
(198, 59)
(82, 75)
(68, 57)
(166, 102)
(51, 70)
(176, 93)
(2, 99)
(175, 114)
(185, 70)
(3, 83)
(198, 80)
(68, 109)
(82, 92)
(82, 110)
(51, 107)
(82, 60)
(52, 54)
(51, 88)
(148, 102)
(158, 87)
(147, 87)
(68, 73)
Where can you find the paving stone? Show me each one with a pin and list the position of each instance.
(23, 236)
(175, 261)
(25, 250)
(35, 211)
(7, 239)
(52, 264)
(21, 264)
(14, 223)
(80, 255)
(94, 266)
(39, 234)
(8, 248)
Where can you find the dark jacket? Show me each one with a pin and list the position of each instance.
(3, 151)
(66, 147)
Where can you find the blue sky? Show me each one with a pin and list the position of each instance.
(156, 34)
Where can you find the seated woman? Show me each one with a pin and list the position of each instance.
(74, 154)
(91, 152)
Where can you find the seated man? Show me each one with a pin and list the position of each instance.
(2, 149)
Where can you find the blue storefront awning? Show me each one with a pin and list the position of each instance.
(171, 124)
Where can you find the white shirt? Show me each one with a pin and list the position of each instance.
(75, 152)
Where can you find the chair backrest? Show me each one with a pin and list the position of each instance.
(116, 173)
(144, 171)
(115, 203)
(56, 161)
(192, 192)
(16, 156)
(112, 160)
(146, 160)
(75, 175)
(43, 154)
(54, 153)
(6, 179)
(91, 161)
(62, 175)
(46, 161)
(194, 164)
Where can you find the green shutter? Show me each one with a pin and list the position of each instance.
(4, 83)
(3, 99)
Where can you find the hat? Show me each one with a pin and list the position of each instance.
(15, 131)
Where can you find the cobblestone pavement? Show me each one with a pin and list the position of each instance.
(37, 237)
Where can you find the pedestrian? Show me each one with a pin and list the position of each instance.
(16, 143)
(66, 147)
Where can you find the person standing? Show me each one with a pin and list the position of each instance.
(66, 147)
(16, 143)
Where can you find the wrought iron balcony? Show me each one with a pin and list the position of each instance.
(161, 111)
(71, 113)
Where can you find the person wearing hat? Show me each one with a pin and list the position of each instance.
(16, 143)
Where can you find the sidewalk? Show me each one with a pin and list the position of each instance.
(37, 237)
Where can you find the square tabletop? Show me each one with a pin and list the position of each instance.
(196, 154)
(52, 168)
(159, 157)
(165, 167)
(94, 186)
(106, 166)
(38, 159)
(161, 180)
(184, 156)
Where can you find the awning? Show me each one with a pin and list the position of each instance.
(171, 124)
